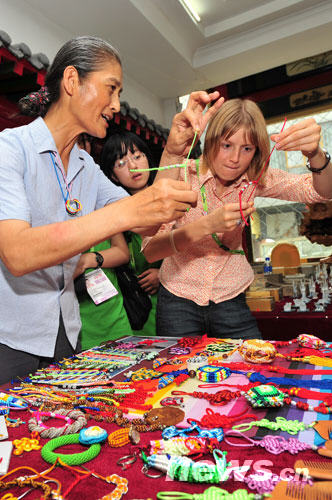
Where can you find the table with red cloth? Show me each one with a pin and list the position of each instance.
(142, 487)
(281, 325)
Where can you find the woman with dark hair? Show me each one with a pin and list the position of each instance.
(56, 203)
(125, 160)
(121, 152)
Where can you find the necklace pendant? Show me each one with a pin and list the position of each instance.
(73, 207)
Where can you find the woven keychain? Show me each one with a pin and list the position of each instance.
(179, 446)
(185, 469)
(212, 374)
(305, 340)
(172, 431)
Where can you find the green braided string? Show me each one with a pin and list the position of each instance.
(70, 459)
(291, 426)
(212, 493)
(182, 165)
(167, 167)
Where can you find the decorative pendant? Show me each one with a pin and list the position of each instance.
(73, 207)
(265, 395)
(167, 415)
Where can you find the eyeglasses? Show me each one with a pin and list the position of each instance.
(135, 158)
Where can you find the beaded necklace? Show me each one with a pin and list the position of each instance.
(72, 205)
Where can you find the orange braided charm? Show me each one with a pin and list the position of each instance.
(119, 438)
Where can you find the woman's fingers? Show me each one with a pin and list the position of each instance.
(197, 104)
(233, 216)
(303, 136)
(212, 111)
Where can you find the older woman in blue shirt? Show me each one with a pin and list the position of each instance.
(56, 203)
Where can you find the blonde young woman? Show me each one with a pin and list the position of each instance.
(205, 272)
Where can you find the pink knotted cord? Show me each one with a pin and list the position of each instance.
(255, 183)
(272, 444)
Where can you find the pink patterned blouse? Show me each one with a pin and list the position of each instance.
(203, 271)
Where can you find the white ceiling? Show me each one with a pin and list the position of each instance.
(167, 53)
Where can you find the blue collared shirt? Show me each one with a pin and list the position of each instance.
(29, 190)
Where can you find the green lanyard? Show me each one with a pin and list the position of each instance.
(205, 208)
(132, 257)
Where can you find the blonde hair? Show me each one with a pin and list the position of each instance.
(233, 115)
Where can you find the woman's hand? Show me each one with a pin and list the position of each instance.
(149, 280)
(86, 261)
(303, 136)
(228, 217)
(164, 201)
(191, 120)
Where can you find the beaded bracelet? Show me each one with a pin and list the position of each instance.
(23, 482)
(120, 490)
(48, 454)
(31, 481)
(36, 423)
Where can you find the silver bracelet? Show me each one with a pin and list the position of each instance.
(171, 240)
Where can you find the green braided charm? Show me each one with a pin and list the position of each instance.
(48, 454)
(212, 493)
(281, 423)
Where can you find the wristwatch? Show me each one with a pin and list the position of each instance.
(99, 259)
(318, 170)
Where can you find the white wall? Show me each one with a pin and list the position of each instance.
(169, 110)
(146, 102)
(25, 24)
